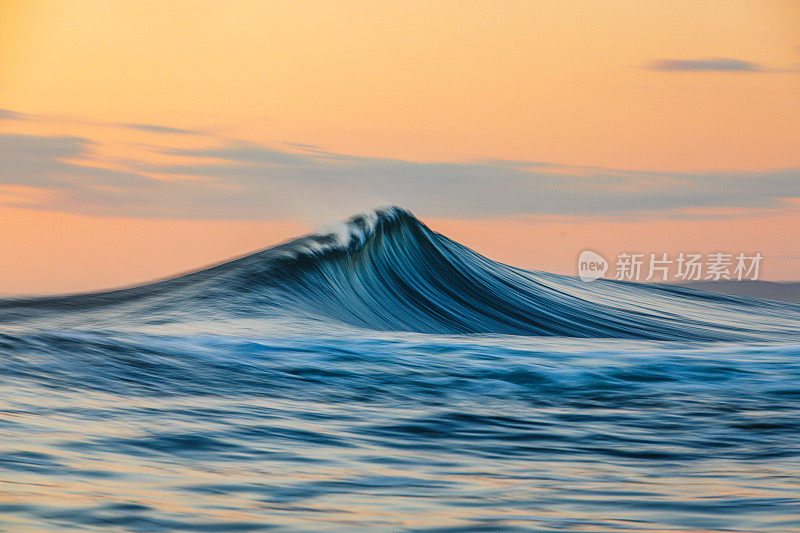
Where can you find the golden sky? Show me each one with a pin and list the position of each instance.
(536, 80)
(643, 92)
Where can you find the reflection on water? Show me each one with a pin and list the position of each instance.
(261, 393)
(154, 432)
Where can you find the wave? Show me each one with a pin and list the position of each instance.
(388, 271)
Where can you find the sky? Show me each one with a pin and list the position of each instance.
(141, 139)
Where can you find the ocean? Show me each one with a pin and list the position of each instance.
(384, 377)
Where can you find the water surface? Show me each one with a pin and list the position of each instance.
(387, 378)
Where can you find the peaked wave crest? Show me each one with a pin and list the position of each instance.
(388, 271)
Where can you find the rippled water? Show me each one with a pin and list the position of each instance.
(145, 432)
(236, 399)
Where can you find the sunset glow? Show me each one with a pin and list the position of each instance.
(151, 89)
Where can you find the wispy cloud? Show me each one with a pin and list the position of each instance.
(156, 128)
(48, 165)
(712, 64)
(244, 152)
(236, 180)
(7, 114)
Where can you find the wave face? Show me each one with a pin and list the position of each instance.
(387, 271)
(383, 377)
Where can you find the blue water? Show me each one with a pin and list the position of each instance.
(384, 377)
